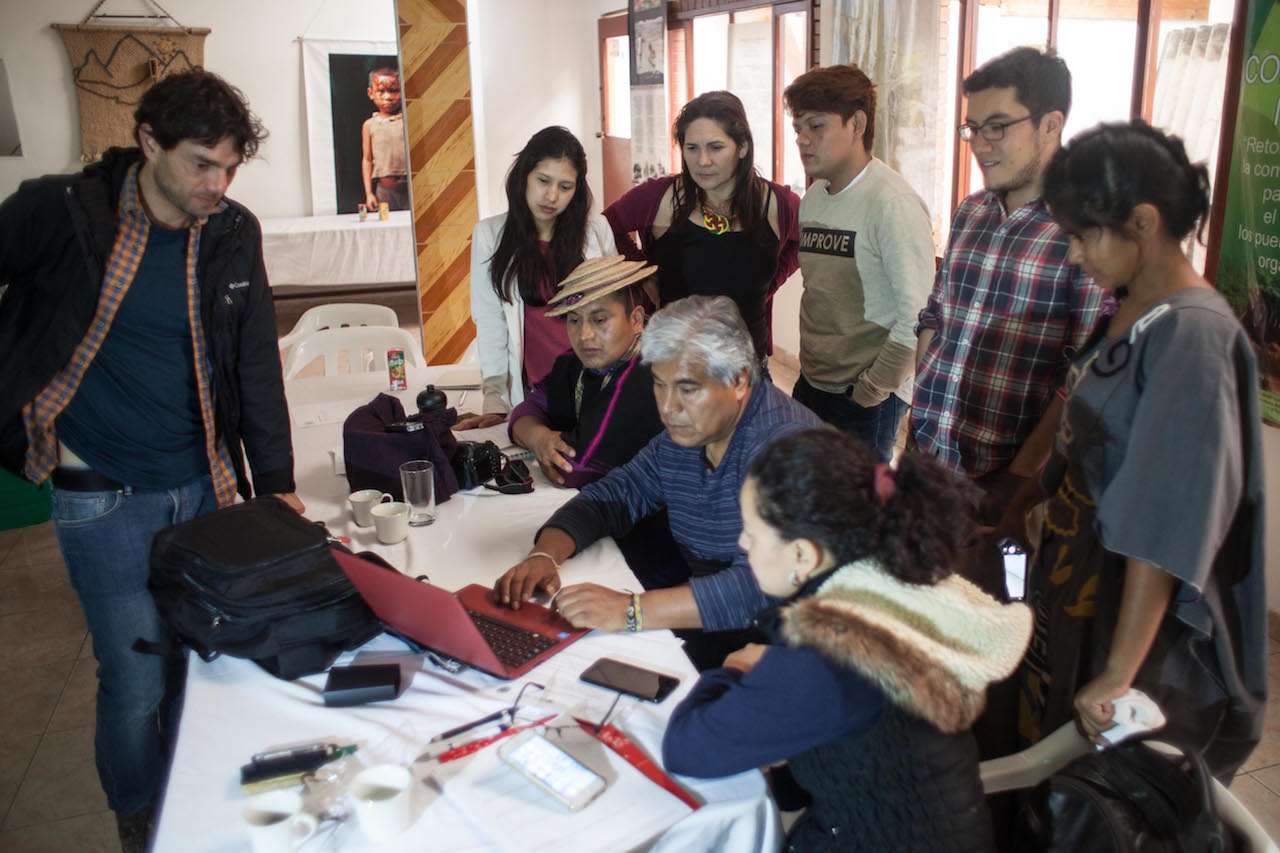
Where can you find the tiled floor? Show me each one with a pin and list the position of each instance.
(50, 799)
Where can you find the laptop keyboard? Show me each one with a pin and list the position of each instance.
(514, 646)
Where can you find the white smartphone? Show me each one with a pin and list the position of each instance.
(1015, 569)
(552, 769)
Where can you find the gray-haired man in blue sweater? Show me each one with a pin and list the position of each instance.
(718, 415)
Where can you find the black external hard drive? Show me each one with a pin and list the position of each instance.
(356, 685)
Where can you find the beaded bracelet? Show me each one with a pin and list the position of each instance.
(635, 617)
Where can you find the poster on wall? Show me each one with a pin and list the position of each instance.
(355, 126)
(650, 149)
(1249, 262)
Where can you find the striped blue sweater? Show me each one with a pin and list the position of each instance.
(701, 504)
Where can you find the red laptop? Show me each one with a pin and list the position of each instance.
(468, 626)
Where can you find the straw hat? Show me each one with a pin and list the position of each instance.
(595, 278)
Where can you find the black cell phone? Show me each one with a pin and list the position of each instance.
(632, 680)
(1015, 569)
(405, 426)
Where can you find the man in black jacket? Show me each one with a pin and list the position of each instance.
(140, 368)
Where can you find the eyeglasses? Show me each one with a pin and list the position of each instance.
(992, 131)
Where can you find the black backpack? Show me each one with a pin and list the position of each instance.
(1128, 799)
(256, 580)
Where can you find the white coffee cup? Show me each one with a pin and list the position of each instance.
(391, 521)
(276, 822)
(363, 502)
(381, 794)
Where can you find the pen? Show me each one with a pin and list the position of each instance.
(466, 727)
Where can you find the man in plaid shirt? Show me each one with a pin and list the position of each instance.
(1008, 313)
(142, 369)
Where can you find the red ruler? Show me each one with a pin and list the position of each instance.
(637, 758)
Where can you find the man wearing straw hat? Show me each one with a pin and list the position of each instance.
(718, 415)
(595, 409)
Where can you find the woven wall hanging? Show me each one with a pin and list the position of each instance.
(113, 66)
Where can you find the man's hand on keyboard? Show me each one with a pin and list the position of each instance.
(526, 577)
(589, 605)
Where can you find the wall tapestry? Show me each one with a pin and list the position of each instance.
(112, 66)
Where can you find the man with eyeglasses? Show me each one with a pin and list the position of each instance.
(1008, 312)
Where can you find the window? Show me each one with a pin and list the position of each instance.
(754, 53)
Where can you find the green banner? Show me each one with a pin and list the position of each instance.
(1249, 263)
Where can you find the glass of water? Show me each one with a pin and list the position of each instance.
(417, 477)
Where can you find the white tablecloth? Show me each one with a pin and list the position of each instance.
(234, 709)
(339, 250)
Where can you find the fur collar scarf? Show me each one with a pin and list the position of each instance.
(932, 649)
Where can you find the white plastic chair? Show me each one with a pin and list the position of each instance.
(1065, 744)
(339, 315)
(366, 348)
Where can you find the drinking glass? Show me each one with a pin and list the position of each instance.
(417, 477)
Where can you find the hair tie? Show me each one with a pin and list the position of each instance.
(883, 482)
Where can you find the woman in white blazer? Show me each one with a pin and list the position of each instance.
(518, 258)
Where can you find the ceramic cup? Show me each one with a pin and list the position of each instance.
(391, 520)
(381, 795)
(362, 504)
(276, 822)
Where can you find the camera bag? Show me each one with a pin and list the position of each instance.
(257, 581)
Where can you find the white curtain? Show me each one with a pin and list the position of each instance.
(896, 44)
(1190, 80)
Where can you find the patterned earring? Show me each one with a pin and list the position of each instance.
(794, 579)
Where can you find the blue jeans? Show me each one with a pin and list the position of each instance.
(105, 538)
(877, 426)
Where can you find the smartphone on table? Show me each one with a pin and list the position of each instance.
(552, 769)
(630, 679)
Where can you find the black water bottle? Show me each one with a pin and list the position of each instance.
(431, 399)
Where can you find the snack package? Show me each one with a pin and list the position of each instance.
(395, 370)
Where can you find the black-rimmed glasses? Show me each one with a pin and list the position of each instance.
(992, 131)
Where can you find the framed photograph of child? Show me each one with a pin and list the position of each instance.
(355, 126)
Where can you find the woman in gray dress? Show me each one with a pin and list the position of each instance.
(1149, 572)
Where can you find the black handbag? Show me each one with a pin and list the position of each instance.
(1128, 798)
(258, 581)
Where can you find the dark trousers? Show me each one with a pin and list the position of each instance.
(877, 426)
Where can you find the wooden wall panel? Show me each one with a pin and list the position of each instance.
(437, 89)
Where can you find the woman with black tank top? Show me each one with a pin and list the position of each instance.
(717, 228)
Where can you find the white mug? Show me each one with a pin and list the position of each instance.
(382, 800)
(276, 822)
(391, 521)
(362, 504)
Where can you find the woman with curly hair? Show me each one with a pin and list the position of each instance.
(880, 657)
(1149, 572)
